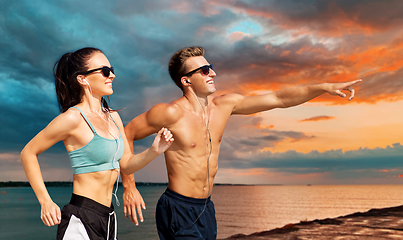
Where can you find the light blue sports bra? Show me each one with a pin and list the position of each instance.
(99, 154)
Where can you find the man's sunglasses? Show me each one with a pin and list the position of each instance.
(205, 70)
(105, 71)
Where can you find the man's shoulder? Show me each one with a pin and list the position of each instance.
(166, 112)
(167, 108)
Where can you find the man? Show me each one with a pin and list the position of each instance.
(197, 121)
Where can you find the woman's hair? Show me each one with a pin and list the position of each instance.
(177, 63)
(68, 90)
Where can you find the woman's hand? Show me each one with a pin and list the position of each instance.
(162, 141)
(50, 213)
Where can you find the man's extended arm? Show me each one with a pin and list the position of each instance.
(290, 97)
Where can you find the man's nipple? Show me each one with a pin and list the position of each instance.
(193, 145)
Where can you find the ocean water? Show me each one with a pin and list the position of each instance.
(239, 209)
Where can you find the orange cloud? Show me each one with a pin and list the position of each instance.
(285, 53)
(376, 58)
(321, 49)
(259, 126)
(317, 118)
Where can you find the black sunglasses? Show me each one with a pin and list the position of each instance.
(105, 71)
(205, 70)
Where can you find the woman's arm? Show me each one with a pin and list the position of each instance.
(56, 131)
(130, 163)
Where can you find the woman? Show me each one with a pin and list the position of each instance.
(95, 141)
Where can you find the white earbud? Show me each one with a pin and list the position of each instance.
(84, 80)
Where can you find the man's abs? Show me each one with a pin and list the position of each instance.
(190, 176)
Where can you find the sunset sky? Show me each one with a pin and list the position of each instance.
(256, 47)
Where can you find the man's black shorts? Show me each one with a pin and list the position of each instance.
(181, 217)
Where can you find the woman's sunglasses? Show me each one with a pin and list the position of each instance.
(105, 71)
(205, 70)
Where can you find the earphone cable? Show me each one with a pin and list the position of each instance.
(114, 135)
(209, 145)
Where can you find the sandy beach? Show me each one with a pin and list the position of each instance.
(385, 223)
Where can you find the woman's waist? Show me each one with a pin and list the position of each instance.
(97, 186)
(91, 205)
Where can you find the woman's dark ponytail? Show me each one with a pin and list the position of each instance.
(68, 90)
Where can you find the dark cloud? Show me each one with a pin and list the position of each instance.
(383, 85)
(261, 67)
(272, 139)
(29, 109)
(139, 37)
(327, 16)
(326, 50)
(329, 161)
(243, 138)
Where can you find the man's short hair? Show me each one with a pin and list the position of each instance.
(177, 68)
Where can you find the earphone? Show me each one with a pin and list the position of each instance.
(84, 80)
(187, 81)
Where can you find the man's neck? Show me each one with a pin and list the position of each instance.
(198, 103)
